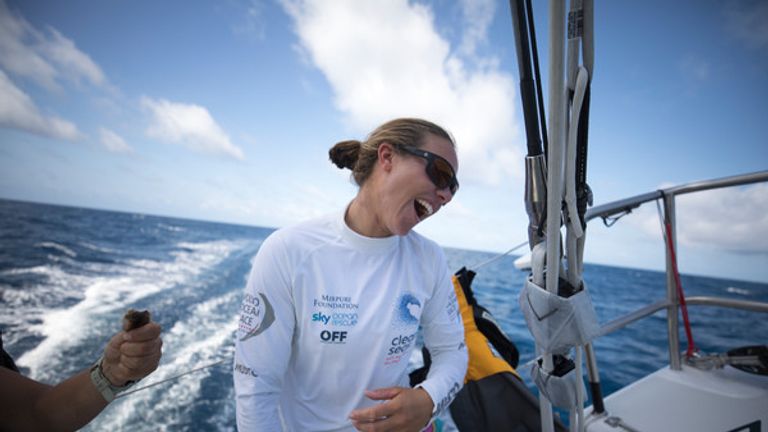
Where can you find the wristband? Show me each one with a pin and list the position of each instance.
(108, 390)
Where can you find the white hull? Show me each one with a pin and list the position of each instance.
(690, 399)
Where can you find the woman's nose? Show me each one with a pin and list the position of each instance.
(444, 195)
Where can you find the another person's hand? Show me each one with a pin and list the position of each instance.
(405, 409)
(132, 355)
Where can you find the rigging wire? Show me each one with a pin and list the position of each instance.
(499, 256)
(537, 75)
(173, 378)
(527, 85)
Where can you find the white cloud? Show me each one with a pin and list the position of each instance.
(253, 22)
(113, 142)
(18, 111)
(75, 63)
(732, 219)
(190, 125)
(44, 57)
(478, 15)
(386, 59)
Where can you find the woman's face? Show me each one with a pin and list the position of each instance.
(407, 195)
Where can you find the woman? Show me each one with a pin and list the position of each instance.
(332, 306)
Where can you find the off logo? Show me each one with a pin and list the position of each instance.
(334, 337)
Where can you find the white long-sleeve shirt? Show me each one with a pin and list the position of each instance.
(328, 313)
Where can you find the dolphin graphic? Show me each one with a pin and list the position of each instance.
(269, 318)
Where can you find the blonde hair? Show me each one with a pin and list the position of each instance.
(360, 157)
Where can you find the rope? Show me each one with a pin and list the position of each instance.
(173, 378)
(498, 257)
(678, 285)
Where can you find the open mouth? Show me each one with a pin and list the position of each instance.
(423, 208)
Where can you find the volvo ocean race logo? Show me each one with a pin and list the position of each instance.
(256, 315)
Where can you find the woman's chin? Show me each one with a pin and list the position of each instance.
(404, 227)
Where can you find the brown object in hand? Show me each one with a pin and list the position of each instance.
(134, 319)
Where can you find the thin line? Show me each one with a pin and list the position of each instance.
(498, 257)
(170, 379)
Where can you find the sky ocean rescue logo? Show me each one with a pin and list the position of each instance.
(340, 319)
(343, 313)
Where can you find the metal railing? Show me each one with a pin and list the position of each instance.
(616, 209)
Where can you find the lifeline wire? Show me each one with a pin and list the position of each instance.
(498, 257)
(173, 378)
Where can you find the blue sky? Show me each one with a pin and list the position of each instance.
(225, 111)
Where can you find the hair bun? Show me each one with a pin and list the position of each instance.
(344, 154)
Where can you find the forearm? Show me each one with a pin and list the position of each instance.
(444, 338)
(256, 395)
(446, 377)
(71, 404)
(27, 405)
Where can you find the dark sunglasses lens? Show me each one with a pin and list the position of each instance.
(441, 173)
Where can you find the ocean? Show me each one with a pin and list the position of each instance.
(67, 275)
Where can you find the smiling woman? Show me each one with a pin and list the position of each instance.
(349, 292)
(396, 199)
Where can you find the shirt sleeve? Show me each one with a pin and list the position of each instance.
(263, 341)
(444, 338)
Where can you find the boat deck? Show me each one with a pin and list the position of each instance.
(727, 400)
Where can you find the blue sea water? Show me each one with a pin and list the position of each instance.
(67, 275)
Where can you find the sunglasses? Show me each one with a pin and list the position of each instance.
(438, 169)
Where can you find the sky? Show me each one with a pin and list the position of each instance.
(224, 111)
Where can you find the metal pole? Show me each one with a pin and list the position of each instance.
(554, 169)
(594, 379)
(673, 300)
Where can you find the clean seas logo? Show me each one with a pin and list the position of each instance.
(256, 315)
(407, 311)
(406, 318)
(398, 346)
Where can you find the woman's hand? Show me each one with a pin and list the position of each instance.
(405, 409)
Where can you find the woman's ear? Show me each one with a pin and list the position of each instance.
(386, 154)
